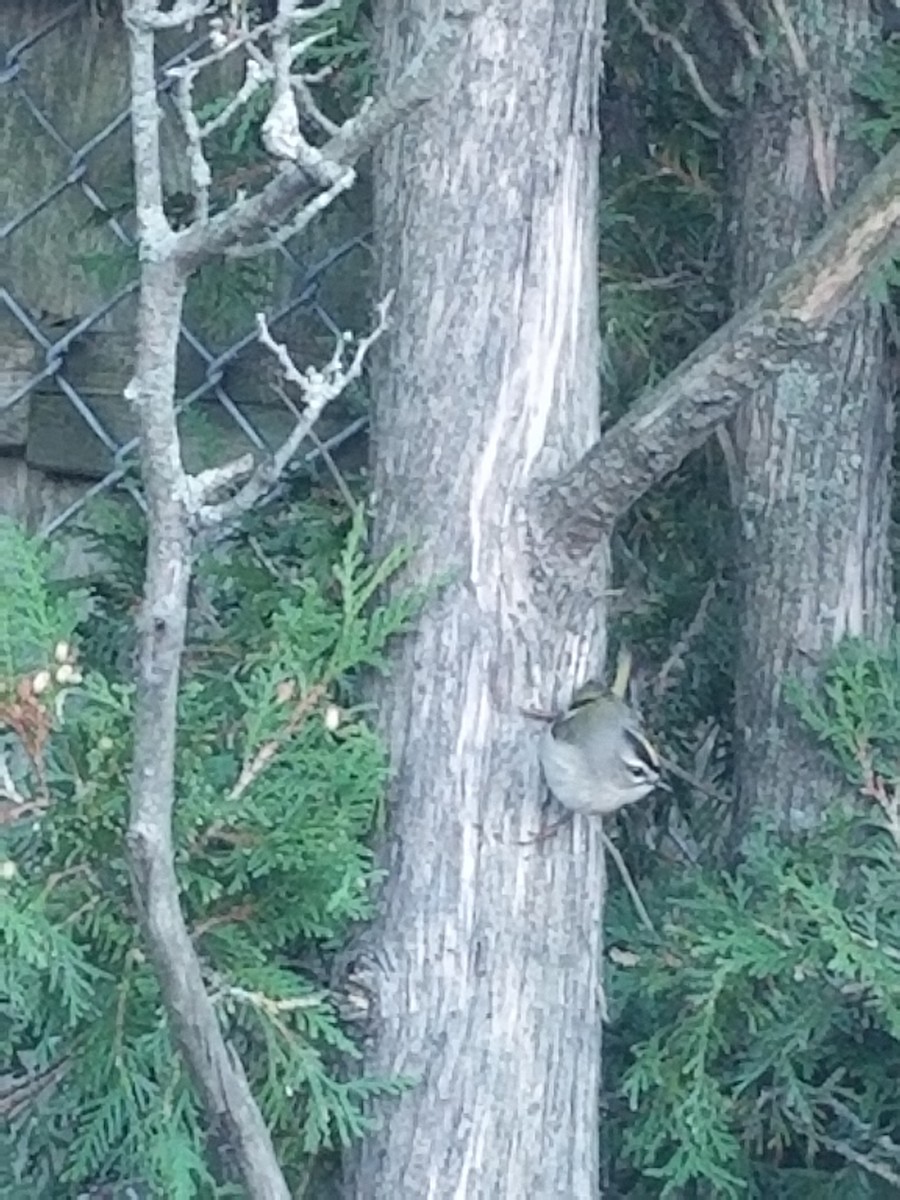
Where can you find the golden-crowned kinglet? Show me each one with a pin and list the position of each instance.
(596, 757)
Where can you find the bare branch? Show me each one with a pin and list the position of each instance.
(281, 134)
(146, 14)
(418, 83)
(677, 656)
(201, 175)
(300, 84)
(798, 54)
(303, 218)
(683, 55)
(253, 81)
(574, 512)
(695, 781)
(231, 1110)
(323, 452)
(8, 789)
(317, 388)
(630, 886)
(225, 39)
(289, 14)
(742, 26)
(333, 470)
(217, 479)
(18, 1092)
(153, 227)
(176, 504)
(268, 1005)
(281, 130)
(225, 44)
(862, 1160)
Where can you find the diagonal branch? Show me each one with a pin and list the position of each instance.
(683, 55)
(574, 512)
(418, 83)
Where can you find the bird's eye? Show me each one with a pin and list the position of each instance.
(640, 756)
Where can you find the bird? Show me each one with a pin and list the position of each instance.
(595, 755)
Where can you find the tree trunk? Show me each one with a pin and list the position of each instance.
(814, 448)
(488, 980)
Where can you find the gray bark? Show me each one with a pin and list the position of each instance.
(814, 445)
(234, 1122)
(179, 507)
(791, 315)
(486, 957)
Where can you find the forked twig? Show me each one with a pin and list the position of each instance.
(683, 55)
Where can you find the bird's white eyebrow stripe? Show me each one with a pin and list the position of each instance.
(644, 751)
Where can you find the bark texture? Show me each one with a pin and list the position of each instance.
(814, 447)
(181, 506)
(237, 1132)
(487, 953)
(792, 314)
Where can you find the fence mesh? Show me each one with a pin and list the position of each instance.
(47, 354)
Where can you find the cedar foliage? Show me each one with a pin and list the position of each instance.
(270, 867)
(758, 1032)
(755, 1037)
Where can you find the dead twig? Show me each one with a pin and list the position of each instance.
(742, 26)
(845, 1150)
(683, 55)
(630, 885)
(677, 655)
(695, 781)
(232, 916)
(326, 456)
(255, 765)
(17, 1092)
(317, 388)
(550, 831)
(887, 798)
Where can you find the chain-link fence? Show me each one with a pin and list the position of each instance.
(70, 279)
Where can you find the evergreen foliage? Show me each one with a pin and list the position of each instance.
(753, 1049)
(878, 86)
(760, 1031)
(664, 289)
(279, 787)
(753, 1043)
